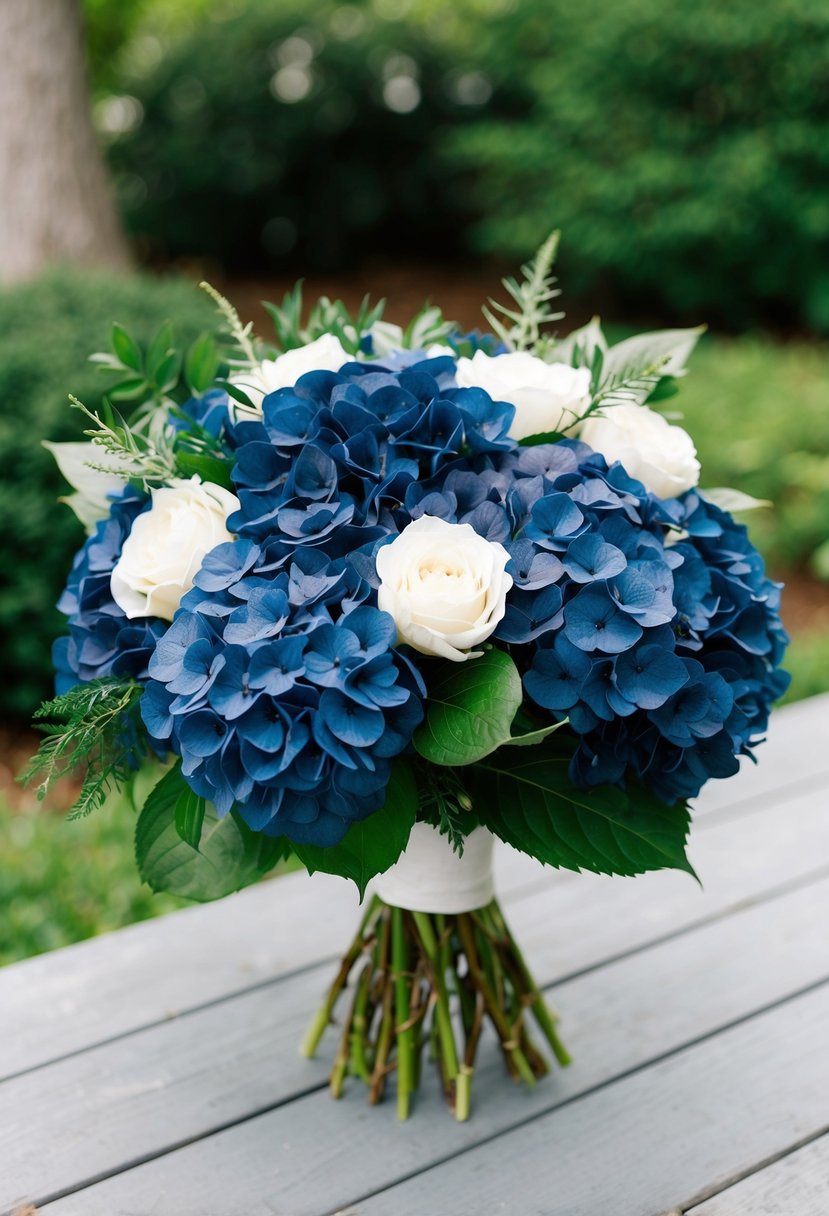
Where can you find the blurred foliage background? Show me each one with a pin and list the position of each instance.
(420, 148)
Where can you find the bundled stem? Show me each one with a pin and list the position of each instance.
(433, 979)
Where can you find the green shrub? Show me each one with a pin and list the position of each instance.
(758, 414)
(299, 132)
(682, 148)
(47, 331)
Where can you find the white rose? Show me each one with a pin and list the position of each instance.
(326, 354)
(661, 456)
(163, 552)
(546, 396)
(445, 586)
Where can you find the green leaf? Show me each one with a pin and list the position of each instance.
(532, 805)
(189, 817)
(372, 845)
(159, 351)
(469, 710)
(529, 738)
(579, 347)
(234, 391)
(131, 389)
(168, 371)
(127, 349)
(733, 500)
(667, 349)
(228, 856)
(202, 363)
(533, 441)
(209, 468)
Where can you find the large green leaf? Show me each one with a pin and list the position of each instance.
(372, 845)
(532, 804)
(470, 709)
(229, 855)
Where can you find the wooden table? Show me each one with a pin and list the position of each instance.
(155, 1070)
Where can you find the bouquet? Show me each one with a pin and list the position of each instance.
(369, 597)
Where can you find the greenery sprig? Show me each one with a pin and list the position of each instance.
(149, 460)
(96, 725)
(532, 296)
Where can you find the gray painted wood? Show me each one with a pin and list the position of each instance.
(794, 755)
(797, 1185)
(80, 990)
(644, 1143)
(571, 926)
(132, 1097)
(173, 1030)
(85, 994)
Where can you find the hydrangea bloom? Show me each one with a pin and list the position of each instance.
(282, 692)
(101, 640)
(280, 683)
(663, 657)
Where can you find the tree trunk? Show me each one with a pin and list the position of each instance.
(56, 202)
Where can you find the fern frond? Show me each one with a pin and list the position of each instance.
(532, 296)
(94, 724)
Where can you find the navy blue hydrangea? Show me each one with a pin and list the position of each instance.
(279, 683)
(282, 693)
(664, 657)
(666, 669)
(101, 640)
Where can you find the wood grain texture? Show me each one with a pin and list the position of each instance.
(165, 1055)
(56, 1004)
(796, 1185)
(650, 1142)
(793, 756)
(617, 1018)
(59, 1003)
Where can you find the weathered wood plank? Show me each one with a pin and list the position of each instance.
(110, 1107)
(796, 1185)
(45, 1008)
(794, 755)
(58, 1003)
(645, 1143)
(650, 1142)
(736, 863)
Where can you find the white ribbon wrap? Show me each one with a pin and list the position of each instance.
(430, 877)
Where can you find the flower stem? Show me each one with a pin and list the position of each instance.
(541, 1012)
(404, 1029)
(317, 1028)
(509, 1046)
(443, 1018)
(414, 973)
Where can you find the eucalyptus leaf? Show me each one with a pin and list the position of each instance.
(469, 709)
(374, 844)
(533, 805)
(229, 855)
